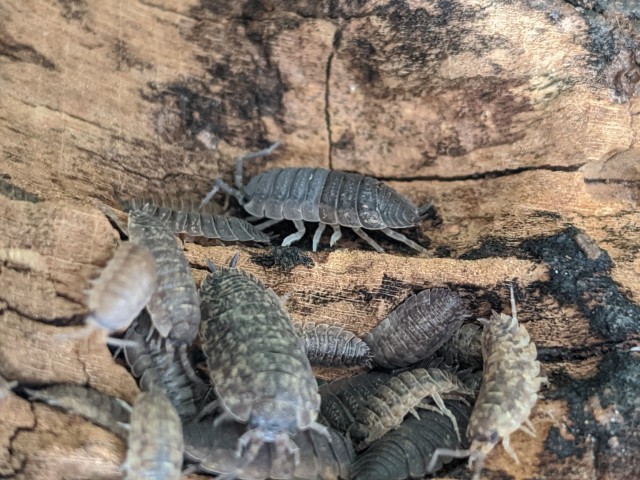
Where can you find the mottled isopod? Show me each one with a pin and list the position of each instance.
(333, 346)
(343, 398)
(258, 367)
(509, 390)
(121, 291)
(402, 394)
(330, 197)
(198, 222)
(155, 440)
(213, 446)
(99, 408)
(405, 452)
(166, 367)
(416, 329)
(174, 305)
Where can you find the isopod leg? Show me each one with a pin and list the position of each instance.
(401, 238)
(316, 236)
(221, 185)
(294, 237)
(447, 413)
(336, 235)
(268, 223)
(250, 156)
(528, 428)
(361, 233)
(446, 452)
(507, 448)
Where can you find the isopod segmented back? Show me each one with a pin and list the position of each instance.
(156, 443)
(256, 360)
(199, 222)
(416, 329)
(174, 306)
(333, 346)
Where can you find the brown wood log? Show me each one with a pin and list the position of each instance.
(519, 119)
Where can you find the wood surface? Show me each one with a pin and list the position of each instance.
(518, 119)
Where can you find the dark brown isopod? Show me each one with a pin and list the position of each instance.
(333, 346)
(416, 329)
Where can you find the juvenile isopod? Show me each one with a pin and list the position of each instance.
(333, 346)
(257, 364)
(416, 329)
(198, 222)
(156, 443)
(174, 305)
(97, 407)
(330, 197)
(402, 394)
(121, 291)
(510, 383)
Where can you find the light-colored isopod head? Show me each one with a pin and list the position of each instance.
(123, 288)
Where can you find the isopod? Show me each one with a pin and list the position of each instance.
(97, 407)
(257, 364)
(14, 192)
(156, 443)
(333, 346)
(405, 452)
(200, 222)
(344, 397)
(164, 366)
(174, 305)
(330, 197)
(212, 447)
(416, 329)
(464, 348)
(121, 291)
(509, 390)
(402, 394)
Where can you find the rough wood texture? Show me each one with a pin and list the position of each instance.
(519, 119)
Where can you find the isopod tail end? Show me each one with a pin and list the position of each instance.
(234, 260)
(211, 266)
(424, 210)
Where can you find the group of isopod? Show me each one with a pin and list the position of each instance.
(261, 412)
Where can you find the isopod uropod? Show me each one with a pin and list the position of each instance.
(416, 329)
(509, 390)
(258, 367)
(330, 197)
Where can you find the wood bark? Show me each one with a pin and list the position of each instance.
(518, 119)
